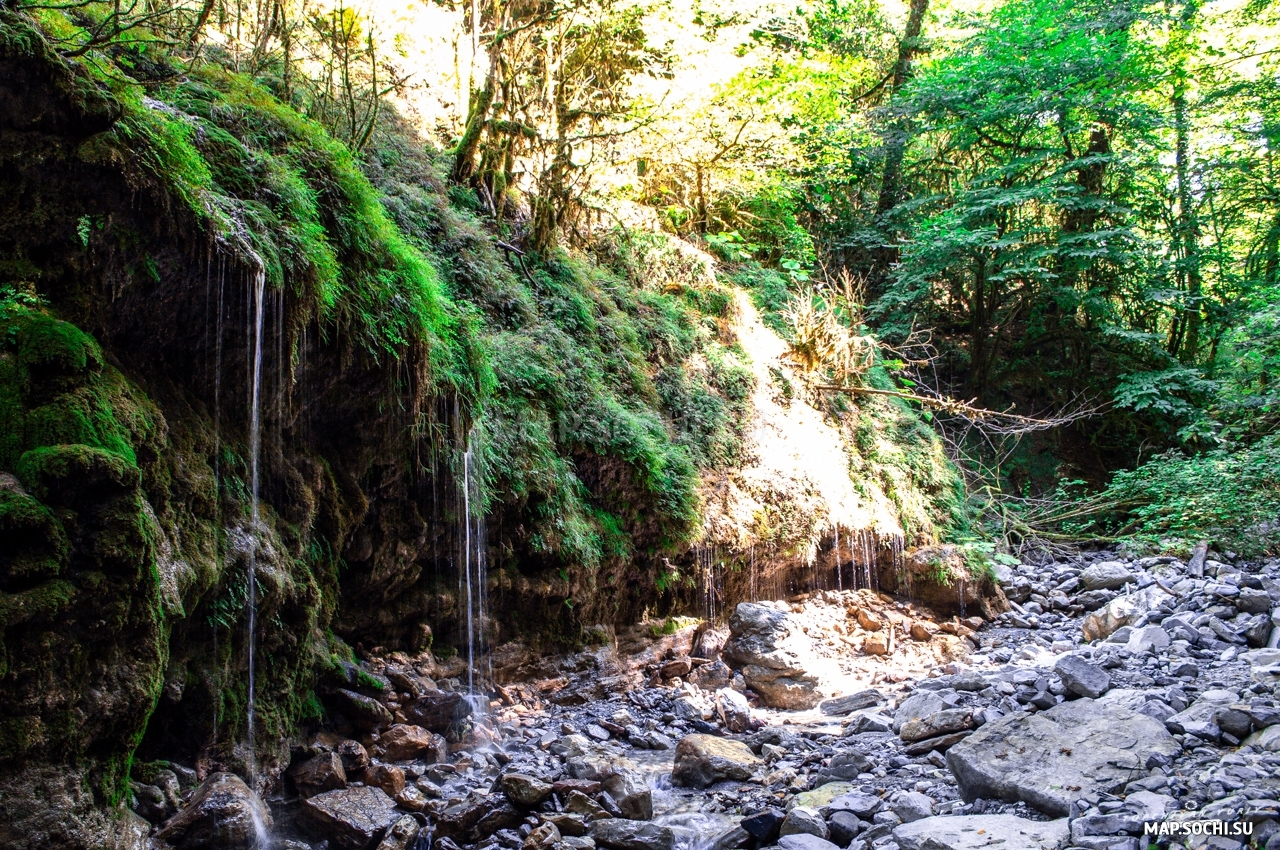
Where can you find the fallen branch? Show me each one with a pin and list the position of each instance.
(969, 411)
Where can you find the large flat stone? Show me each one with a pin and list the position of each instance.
(982, 832)
(1075, 749)
(351, 818)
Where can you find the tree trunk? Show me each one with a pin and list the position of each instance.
(1188, 236)
(885, 255)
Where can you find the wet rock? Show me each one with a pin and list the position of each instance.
(404, 742)
(764, 826)
(617, 834)
(222, 814)
(804, 821)
(769, 650)
(477, 816)
(731, 839)
(545, 835)
(971, 832)
(570, 824)
(354, 756)
(630, 790)
(412, 799)
(939, 723)
(525, 790)
(702, 760)
(350, 818)
(387, 777)
(1082, 677)
(150, 802)
(1075, 749)
(437, 710)
(713, 676)
(578, 803)
(840, 706)
(365, 713)
(1106, 575)
(319, 774)
(401, 836)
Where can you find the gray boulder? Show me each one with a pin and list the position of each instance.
(803, 820)
(770, 650)
(982, 832)
(1076, 749)
(1106, 575)
(1082, 677)
(920, 704)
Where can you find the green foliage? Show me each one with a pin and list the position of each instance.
(1230, 497)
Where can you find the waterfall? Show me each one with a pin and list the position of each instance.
(472, 585)
(255, 451)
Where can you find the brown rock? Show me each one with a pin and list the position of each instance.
(401, 836)
(545, 835)
(412, 798)
(351, 818)
(404, 743)
(317, 775)
(876, 644)
(525, 790)
(437, 710)
(921, 630)
(869, 621)
(939, 723)
(354, 756)
(582, 786)
(389, 779)
(677, 667)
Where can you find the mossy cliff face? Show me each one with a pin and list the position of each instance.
(82, 599)
(125, 531)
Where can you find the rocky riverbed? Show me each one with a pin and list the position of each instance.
(1113, 692)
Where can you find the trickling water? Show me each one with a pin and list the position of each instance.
(839, 575)
(255, 451)
(473, 579)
